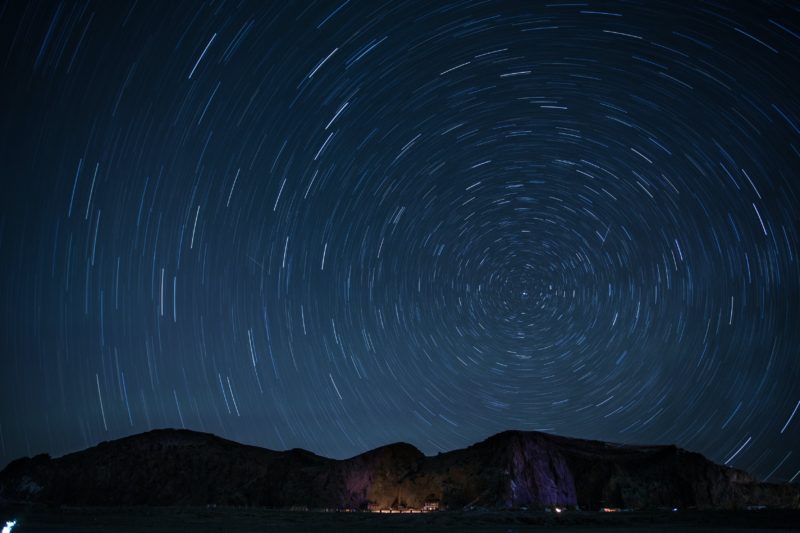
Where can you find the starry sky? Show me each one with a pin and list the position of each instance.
(335, 225)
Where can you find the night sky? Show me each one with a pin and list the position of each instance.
(335, 225)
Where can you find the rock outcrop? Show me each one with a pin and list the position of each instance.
(512, 469)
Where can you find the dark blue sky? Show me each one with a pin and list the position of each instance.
(338, 225)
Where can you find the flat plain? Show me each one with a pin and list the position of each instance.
(228, 519)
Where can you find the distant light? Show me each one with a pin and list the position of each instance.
(9, 526)
(674, 509)
(558, 509)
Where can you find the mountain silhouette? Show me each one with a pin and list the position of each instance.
(513, 469)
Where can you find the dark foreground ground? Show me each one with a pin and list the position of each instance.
(172, 519)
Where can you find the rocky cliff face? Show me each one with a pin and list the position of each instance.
(511, 469)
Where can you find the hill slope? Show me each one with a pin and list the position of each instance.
(510, 469)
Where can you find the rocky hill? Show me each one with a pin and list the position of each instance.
(509, 470)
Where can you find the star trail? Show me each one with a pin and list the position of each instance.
(335, 225)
